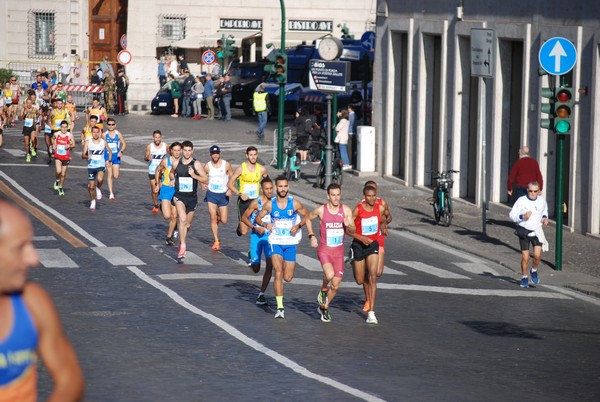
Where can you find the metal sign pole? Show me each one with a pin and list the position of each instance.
(483, 158)
(328, 147)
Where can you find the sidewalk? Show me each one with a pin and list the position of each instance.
(412, 212)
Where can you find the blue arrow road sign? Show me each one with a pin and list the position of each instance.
(558, 56)
(367, 40)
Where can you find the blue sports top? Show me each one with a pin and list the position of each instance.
(18, 349)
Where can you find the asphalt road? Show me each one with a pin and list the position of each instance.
(146, 328)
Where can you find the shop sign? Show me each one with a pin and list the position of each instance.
(234, 23)
(309, 25)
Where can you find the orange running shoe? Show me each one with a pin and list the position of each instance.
(216, 246)
(366, 306)
(181, 251)
(155, 209)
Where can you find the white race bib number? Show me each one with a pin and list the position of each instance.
(186, 184)
(28, 122)
(370, 225)
(283, 227)
(335, 237)
(251, 190)
(61, 149)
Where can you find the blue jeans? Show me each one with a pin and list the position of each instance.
(185, 107)
(227, 106)
(262, 122)
(344, 153)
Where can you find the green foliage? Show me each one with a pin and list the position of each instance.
(5, 75)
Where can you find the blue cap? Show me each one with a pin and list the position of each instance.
(214, 150)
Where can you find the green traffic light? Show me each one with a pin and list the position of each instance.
(562, 127)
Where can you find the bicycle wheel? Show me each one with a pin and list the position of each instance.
(436, 207)
(320, 178)
(447, 211)
(337, 175)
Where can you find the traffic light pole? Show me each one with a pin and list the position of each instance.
(328, 147)
(560, 183)
(280, 112)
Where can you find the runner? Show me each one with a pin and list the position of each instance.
(72, 108)
(287, 217)
(367, 218)
(96, 110)
(249, 173)
(94, 150)
(335, 218)
(155, 153)
(62, 142)
(259, 238)
(59, 114)
(45, 122)
(86, 131)
(217, 194)
(30, 116)
(116, 142)
(387, 218)
(167, 190)
(187, 172)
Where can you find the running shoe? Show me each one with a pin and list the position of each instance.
(371, 319)
(111, 196)
(56, 184)
(366, 306)
(93, 205)
(238, 231)
(33, 152)
(98, 194)
(524, 283)
(155, 209)
(61, 192)
(181, 254)
(216, 245)
(280, 313)
(176, 234)
(169, 241)
(27, 158)
(322, 298)
(534, 277)
(325, 316)
(261, 300)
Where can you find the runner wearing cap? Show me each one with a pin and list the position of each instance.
(217, 193)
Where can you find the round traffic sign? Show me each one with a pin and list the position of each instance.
(123, 41)
(209, 57)
(557, 56)
(124, 57)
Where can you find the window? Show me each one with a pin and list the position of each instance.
(172, 27)
(41, 34)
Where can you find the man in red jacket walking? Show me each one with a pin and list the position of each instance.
(524, 171)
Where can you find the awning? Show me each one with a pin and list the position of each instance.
(295, 38)
(239, 35)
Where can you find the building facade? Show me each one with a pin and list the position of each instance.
(432, 114)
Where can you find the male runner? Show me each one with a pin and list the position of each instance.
(368, 219)
(166, 190)
(259, 238)
(30, 116)
(29, 323)
(59, 114)
(387, 219)
(249, 173)
(187, 172)
(287, 217)
(86, 131)
(96, 110)
(94, 150)
(116, 142)
(62, 142)
(217, 193)
(155, 153)
(335, 219)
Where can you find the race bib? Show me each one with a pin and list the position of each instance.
(251, 190)
(217, 185)
(113, 147)
(370, 225)
(28, 122)
(186, 184)
(283, 227)
(153, 165)
(335, 237)
(57, 124)
(61, 149)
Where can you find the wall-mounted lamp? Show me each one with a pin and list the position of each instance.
(459, 11)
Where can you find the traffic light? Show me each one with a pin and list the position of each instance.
(345, 31)
(229, 48)
(220, 43)
(281, 68)
(269, 68)
(562, 110)
(548, 108)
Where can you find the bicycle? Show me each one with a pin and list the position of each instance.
(442, 202)
(291, 160)
(336, 169)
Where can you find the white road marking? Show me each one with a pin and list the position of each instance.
(15, 152)
(259, 347)
(44, 238)
(190, 258)
(429, 269)
(118, 256)
(55, 258)
(312, 264)
(476, 268)
(387, 270)
(132, 161)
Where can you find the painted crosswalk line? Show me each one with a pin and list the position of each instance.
(118, 256)
(190, 257)
(55, 258)
(429, 269)
(476, 268)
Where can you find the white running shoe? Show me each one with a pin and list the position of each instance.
(98, 194)
(371, 319)
(111, 196)
(93, 205)
(280, 313)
